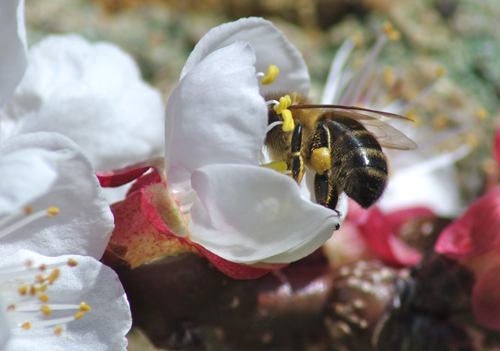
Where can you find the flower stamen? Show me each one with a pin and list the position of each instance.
(22, 287)
(270, 76)
(49, 212)
(282, 109)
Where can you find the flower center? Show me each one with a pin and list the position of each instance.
(24, 287)
(25, 290)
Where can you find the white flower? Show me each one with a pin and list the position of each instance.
(216, 121)
(51, 210)
(92, 93)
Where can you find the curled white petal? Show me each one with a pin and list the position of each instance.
(271, 48)
(84, 223)
(13, 47)
(102, 328)
(215, 115)
(247, 214)
(93, 94)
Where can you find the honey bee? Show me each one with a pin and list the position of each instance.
(342, 144)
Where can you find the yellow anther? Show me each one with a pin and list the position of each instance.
(481, 114)
(27, 210)
(472, 140)
(42, 288)
(285, 102)
(440, 122)
(22, 290)
(389, 77)
(11, 308)
(72, 263)
(26, 326)
(39, 279)
(358, 39)
(46, 311)
(58, 330)
(84, 307)
(43, 298)
(279, 166)
(271, 75)
(32, 291)
(53, 276)
(42, 267)
(391, 32)
(78, 315)
(441, 71)
(52, 211)
(288, 124)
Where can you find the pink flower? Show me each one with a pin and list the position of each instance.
(474, 240)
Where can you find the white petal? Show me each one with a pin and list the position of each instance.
(84, 223)
(102, 328)
(27, 174)
(215, 115)
(13, 47)
(93, 94)
(4, 325)
(247, 214)
(424, 181)
(271, 48)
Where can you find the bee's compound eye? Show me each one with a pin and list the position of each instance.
(321, 160)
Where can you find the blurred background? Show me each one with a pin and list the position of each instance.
(460, 35)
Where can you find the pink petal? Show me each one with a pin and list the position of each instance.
(379, 234)
(476, 232)
(118, 177)
(236, 270)
(496, 147)
(486, 299)
(399, 218)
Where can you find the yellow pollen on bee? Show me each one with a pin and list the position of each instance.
(271, 75)
(321, 160)
(46, 311)
(481, 114)
(391, 32)
(279, 166)
(52, 211)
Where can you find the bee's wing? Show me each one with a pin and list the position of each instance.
(385, 134)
